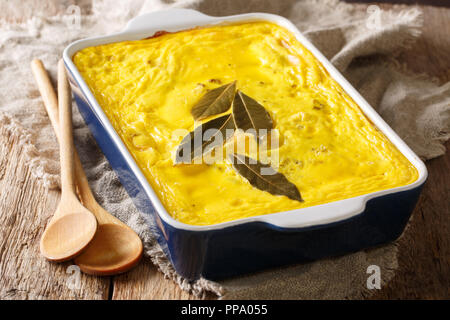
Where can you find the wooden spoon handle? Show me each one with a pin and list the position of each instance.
(51, 105)
(48, 94)
(66, 134)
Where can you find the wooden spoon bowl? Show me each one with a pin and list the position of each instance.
(111, 247)
(66, 236)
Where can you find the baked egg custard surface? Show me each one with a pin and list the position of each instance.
(327, 146)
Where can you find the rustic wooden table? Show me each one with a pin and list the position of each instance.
(25, 207)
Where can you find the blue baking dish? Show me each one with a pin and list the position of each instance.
(256, 243)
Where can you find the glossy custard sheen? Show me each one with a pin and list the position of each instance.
(328, 148)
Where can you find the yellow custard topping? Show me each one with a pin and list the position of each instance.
(328, 148)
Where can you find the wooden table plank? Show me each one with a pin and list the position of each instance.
(25, 208)
(145, 282)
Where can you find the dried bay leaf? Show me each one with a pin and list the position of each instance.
(250, 116)
(214, 102)
(215, 132)
(264, 177)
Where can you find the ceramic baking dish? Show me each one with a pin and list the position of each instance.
(250, 244)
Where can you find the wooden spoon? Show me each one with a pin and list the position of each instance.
(115, 248)
(72, 226)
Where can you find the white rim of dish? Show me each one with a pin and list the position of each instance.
(180, 19)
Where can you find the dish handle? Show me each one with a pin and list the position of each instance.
(308, 217)
(171, 19)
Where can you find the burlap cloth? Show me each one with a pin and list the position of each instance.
(361, 44)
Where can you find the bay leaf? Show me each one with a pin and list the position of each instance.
(250, 115)
(264, 177)
(214, 102)
(193, 144)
